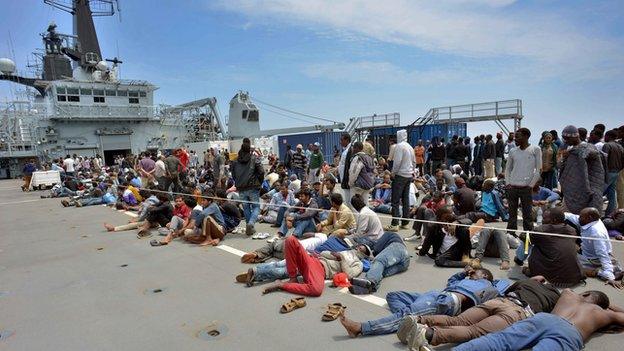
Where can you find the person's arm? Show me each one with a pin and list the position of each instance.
(509, 166)
(571, 217)
(310, 212)
(398, 159)
(552, 196)
(343, 218)
(455, 278)
(537, 167)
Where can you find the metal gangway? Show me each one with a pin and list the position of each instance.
(358, 127)
(496, 111)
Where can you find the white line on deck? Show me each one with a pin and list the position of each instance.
(231, 250)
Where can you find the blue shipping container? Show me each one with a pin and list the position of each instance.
(330, 141)
(381, 135)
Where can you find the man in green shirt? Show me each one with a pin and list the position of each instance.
(316, 161)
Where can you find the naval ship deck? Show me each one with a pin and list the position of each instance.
(66, 284)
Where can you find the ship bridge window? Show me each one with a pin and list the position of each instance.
(122, 93)
(133, 100)
(84, 91)
(142, 94)
(98, 92)
(250, 115)
(133, 93)
(72, 91)
(99, 99)
(73, 98)
(62, 98)
(111, 93)
(60, 90)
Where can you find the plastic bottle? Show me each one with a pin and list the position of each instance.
(540, 216)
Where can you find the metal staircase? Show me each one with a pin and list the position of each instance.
(358, 127)
(496, 111)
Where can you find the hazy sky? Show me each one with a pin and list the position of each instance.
(338, 59)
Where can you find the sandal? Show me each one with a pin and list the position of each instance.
(155, 242)
(249, 257)
(333, 311)
(293, 304)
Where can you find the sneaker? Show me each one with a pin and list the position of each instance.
(413, 237)
(250, 230)
(391, 228)
(417, 340)
(406, 327)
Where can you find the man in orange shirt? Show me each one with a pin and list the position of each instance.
(419, 151)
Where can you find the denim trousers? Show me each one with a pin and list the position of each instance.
(250, 210)
(270, 271)
(392, 260)
(542, 332)
(299, 227)
(610, 192)
(402, 303)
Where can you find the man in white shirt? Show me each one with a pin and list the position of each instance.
(402, 173)
(160, 171)
(68, 164)
(522, 172)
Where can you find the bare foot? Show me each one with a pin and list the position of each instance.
(272, 288)
(215, 242)
(167, 239)
(109, 227)
(504, 265)
(353, 328)
(207, 242)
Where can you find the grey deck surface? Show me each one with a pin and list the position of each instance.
(59, 292)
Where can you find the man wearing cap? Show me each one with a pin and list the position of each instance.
(299, 162)
(582, 176)
(316, 160)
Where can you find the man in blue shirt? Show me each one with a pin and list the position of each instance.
(463, 290)
(596, 250)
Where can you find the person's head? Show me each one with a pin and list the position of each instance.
(439, 183)
(499, 136)
(437, 196)
(595, 136)
(488, 185)
(288, 147)
(387, 179)
(358, 202)
(336, 200)
(439, 174)
(345, 139)
(610, 135)
(511, 137)
(207, 198)
(588, 215)
(600, 127)
(445, 214)
(553, 215)
(358, 146)
(304, 195)
(476, 140)
(283, 189)
(522, 136)
(299, 148)
(190, 201)
(570, 135)
(481, 273)
(547, 138)
(488, 137)
(420, 142)
(597, 298)
(316, 186)
(582, 134)
(460, 183)
(305, 184)
(330, 183)
(162, 197)
(179, 200)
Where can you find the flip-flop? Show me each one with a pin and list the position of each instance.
(293, 304)
(155, 242)
(333, 311)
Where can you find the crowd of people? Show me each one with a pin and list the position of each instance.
(327, 219)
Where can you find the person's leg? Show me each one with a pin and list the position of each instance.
(396, 199)
(244, 196)
(303, 226)
(526, 200)
(500, 238)
(610, 191)
(498, 165)
(620, 189)
(270, 271)
(92, 201)
(124, 227)
(405, 201)
(254, 197)
(512, 199)
(451, 258)
(425, 304)
(400, 260)
(516, 337)
(299, 261)
(484, 239)
(280, 215)
(417, 225)
(283, 231)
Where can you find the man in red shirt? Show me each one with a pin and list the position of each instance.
(181, 215)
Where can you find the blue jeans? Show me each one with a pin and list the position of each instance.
(383, 208)
(612, 179)
(520, 252)
(91, 201)
(250, 210)
(542, 332)
(299, 172)
(392, 260)
(280, 214)
(402, 304)
(300, 226)
(270, 271)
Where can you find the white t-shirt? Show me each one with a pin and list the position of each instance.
(69, 164)
(449, 240)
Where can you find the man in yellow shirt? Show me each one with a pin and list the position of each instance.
(340, 216)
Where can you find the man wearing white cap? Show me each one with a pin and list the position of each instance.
(314, 167)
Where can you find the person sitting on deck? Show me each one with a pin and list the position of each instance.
(302, 217)
(183, 218)
(491, 205)
(424, 213)
(340, 217)
(209, 224)
(450, 242)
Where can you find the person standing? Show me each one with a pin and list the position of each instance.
(489, 155)
(549, 161)
(248, 174)
(344, 165)
(361, 172)
(68, 164)
(218, 168)
(419, 153)
(620, 182)
(402, 173)
(477, 156)
(523, 170)
(615, 163)
(28, 170)
(298, 162)
(315, 163)
(146, 168)
(582, 176)
(500, 153)
(438, 154)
